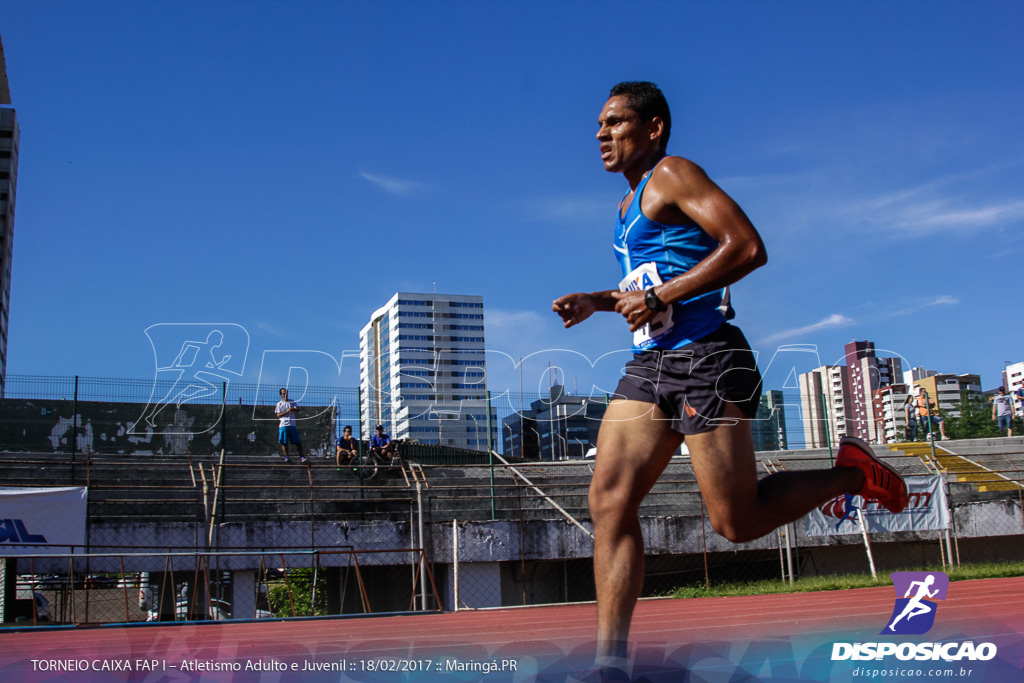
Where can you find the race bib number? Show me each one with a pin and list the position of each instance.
(640, 278)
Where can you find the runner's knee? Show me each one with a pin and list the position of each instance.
(609, 501)
(732, 527)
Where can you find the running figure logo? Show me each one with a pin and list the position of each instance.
(193, 362)
(914, 613)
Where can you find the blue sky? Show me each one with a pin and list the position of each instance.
(287, 167)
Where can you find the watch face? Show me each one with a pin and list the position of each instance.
(653, 302)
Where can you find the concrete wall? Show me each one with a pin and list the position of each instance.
(501, 540)
(46, 426)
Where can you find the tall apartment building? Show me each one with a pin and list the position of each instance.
(769, 426)
(913, 374)
(947, 390)
(867, 374)
(1013, 379)
(559, 426)
(890, 408)
(9, 138)
(824, 406)
(422, 371)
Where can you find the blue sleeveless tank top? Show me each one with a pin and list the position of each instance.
(673, 249)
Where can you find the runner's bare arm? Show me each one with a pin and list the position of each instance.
(679, 189)
(577, 307)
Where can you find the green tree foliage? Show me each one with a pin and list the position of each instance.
(975, 421)
(301, 583)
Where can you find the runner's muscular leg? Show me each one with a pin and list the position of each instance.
(633, 448)
(740, 507)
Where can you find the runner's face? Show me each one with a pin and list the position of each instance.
(625, 139)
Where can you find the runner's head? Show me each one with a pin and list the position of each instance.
(631, 131)
(647, 100)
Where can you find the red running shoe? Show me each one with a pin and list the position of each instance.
(881, 482)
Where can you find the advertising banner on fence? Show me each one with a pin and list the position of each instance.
(40, 521)
(926, 511)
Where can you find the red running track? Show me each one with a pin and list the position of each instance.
(769, 637)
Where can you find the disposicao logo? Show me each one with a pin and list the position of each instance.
(914, 612)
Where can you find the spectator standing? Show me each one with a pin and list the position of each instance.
(1002, 410)
(286, 411)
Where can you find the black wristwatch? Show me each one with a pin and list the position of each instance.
(653, 302)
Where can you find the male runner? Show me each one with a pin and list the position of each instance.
(681, 241)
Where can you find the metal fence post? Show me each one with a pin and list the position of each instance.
(490, 457)
(74, 432)
(828, 437)
(224, 415)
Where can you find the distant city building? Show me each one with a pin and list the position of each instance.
(823, 405)
(1013, 379)
(912, 375)
(422, 372)
(557, 427)
(769, 427)
(842, 400)
(10, 136)
(889, 406)
(947, 390)
(867, 373)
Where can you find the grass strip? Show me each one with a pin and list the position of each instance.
(834, 582)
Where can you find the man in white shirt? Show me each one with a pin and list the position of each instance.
(288, 432)
(1002, 411)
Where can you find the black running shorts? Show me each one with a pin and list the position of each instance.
(693, 384)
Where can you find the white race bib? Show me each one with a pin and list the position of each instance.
(640, 278)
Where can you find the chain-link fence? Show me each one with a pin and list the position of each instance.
(436, 529)
(83, 415)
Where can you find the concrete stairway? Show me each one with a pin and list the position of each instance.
(981, 472)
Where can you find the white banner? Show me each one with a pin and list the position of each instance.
(42, 521)
(927, 510)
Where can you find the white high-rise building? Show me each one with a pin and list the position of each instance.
(914, 374)
(1013, 379)
(422, 372)
(824, 405)
(9, 137)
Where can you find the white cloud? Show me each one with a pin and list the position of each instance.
(273, 329)
(834, 320)
(392, 185)
(929, 209)
(533, 350)
(926, 302)
(937, 216)
(566, 209)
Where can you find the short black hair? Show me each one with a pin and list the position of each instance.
(647, 100)
(348, 428)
